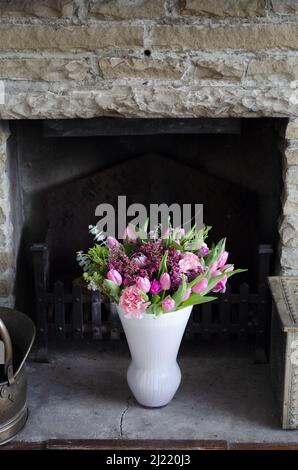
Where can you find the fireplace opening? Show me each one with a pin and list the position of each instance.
(61, 170)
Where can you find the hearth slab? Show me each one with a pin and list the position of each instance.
(82, 394)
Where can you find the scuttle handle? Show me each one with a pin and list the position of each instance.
(5, 337)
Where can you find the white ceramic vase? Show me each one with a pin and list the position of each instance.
(153, 374)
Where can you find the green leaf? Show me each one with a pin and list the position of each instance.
(98, 254)
(144, 227)
(236, 271)
(163, 264)
(175, 245)
(193, 245)
(212, 283)
(206, 230)
(212, 256)
(155, 299)
(129, 248)
(156, 309)
(221, 245)
(142, 232)
(215, 252)
(196, 299)
(190, 233)
(144, 295)
(179, 294)
(112, 288)
(214, 280)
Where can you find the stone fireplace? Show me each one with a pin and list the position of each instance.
(138, 59)
(95, 93)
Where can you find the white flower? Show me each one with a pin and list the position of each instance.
(92, 286)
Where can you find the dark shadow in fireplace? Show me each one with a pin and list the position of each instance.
(237, 176)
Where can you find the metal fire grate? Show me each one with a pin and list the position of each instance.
(78, 313)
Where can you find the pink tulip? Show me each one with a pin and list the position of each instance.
(186, 295)
(130, 234)
(222, 259)
(143, 284)
(216, 273)
(114, 276)
(204, 250)
(166, 234)
(221, 286)
(200, 286)
(213, 268)
(168, 304)
(112, 242)
(155, 287)
(227, 268)
(165, 281)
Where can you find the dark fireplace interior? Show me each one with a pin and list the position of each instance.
(64, 169)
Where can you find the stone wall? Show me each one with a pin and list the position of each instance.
(150, 58)
(63, 58)
(7, 255)
(289, 220)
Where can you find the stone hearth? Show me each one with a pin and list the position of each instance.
(63, 59)
(223, 396)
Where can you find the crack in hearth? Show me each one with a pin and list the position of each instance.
(122, 416)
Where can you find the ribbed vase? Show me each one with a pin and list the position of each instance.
(153, 374)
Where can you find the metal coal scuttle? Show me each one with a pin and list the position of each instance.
(17, 332)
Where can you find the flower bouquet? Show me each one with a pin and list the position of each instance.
(154, 279)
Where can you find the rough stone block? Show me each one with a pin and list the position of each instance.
(6, 261)
(291, 175)
(65, 38)
(285, 7)
(273, 69)
(237, 8)
(126, 9)
(156, 100)
(229, 70)
(291, 155)
(47, 69)
(289, 257)
(37, 8)
(114, 67)
(5, 288)
(290, 200)
(3, 239)
(2, 216)
(288, 231)
(292, 129)
(284, 348)
(248, 37)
